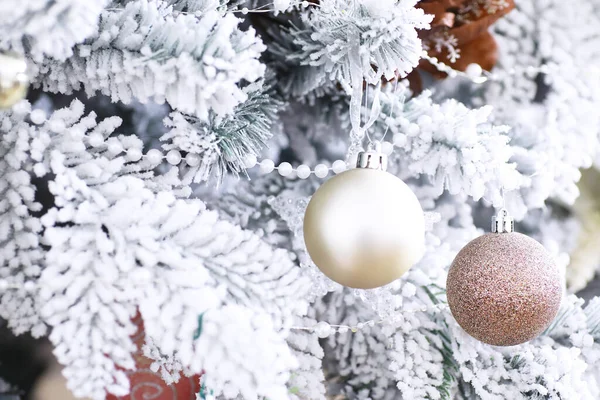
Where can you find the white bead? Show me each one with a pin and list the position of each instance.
(267, 166)
(192, 159)
(323, 329)
(360, 326)
(321, 171)
(303, 171)
(343, 329)
(29, 286)
(474, 70)
(114, 147)
(413, 129)
(285, 168)
(173, 157)
(96, 139)
(403, 122)
(210, 71)
(245, 10)
(3, 284)
(400, 139)
(154, 156)
(38, 117)
(339, 166)
(134, 154)
(250, 161)
(387, 148)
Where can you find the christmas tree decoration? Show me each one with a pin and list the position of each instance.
(167, 163)
(503, 287)
(364, 228)
(13, 79)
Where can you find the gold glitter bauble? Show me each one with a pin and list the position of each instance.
(364, 228)
(13, 79)
(504, 288)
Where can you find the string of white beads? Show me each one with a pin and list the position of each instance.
(324, 329)
(28, 286)
(477, 74)
(303, 171)
(286, 169)
(266, 166)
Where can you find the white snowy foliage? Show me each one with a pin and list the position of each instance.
(48, 27)
(380, 359)
(379, 39)
(222, 143)
(176, 263)
(105, 233)
(169, 366)
(458, 148)
(281, 5)
(118, 244)
(552, 366)
(306, 381)
(145, 51)
(82, 291)
(244, 353)
(21, 254)
(553, 115)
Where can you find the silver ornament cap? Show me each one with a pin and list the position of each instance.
(503, 222)
(373, 158)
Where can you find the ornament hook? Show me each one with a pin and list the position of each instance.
(503, 222)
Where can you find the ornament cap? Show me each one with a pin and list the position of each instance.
(503, 222)
(373, 158)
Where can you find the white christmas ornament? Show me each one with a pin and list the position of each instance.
(364, 228)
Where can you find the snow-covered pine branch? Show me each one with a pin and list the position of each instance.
(457, 148)
(98, 156)
(553, 114)
(116, 244)
(409, 355)
(48, 27)
(221, 143)
(552, 366)
(21, 253)
(176, 262)
(307, 379)
(377, 38)
(145, 51)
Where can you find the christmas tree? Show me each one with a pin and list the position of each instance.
(157, 158)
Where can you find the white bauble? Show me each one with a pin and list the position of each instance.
(364, 228)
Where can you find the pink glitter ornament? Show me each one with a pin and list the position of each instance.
(504, 288)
